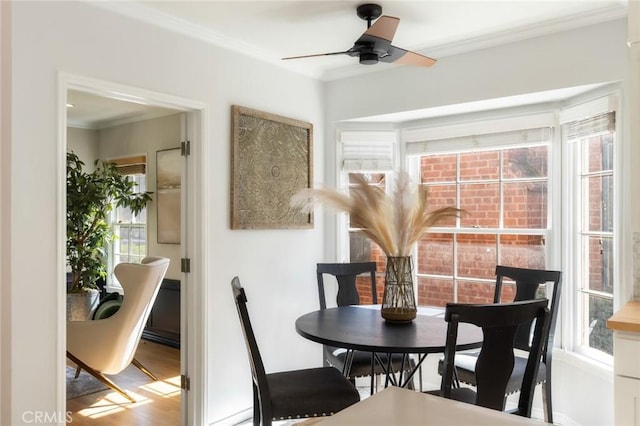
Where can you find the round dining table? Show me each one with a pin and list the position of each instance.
(361, 327)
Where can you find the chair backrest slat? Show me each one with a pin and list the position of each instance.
(346, 275)
(527, 282)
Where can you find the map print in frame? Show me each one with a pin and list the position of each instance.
(271, 159)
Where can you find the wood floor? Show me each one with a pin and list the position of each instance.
(158, 403)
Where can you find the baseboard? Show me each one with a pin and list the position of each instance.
(241, 417)
(561, 419)
(154, 337)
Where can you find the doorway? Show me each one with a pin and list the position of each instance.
(115, 117)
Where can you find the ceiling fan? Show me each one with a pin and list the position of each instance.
(375, 44)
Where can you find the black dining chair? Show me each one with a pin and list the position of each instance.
(502, 326)
(352, 363)
(528, 286)
(311, 392)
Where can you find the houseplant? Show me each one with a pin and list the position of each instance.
(91, 196)
(395, 222)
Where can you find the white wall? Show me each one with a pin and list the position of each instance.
(583, 392)
(79, 38)
(5, 209)
(596, 54)
(583, 56)
(147, 137)
(83, 143)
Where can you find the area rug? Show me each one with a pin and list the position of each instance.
(83, 385)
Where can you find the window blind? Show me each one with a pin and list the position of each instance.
(367, 151)
(522, 137)
(602, 123)
(135, 165)
(589, 109)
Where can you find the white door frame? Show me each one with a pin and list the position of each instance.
(194, 354)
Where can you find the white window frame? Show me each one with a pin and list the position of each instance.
(112, 284)
(572, 276)
(117, 226)
(362, 151)
(485, 135)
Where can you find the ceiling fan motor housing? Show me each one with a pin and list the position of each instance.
(368, 58)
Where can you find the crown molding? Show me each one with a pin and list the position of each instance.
(152, 16)
(119, 121)
(552, 26)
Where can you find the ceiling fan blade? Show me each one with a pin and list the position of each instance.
(384, 28)
(413, 58)
(315, 55)
(397, 55)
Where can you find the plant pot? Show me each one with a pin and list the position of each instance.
(399, 302)
(80, 306)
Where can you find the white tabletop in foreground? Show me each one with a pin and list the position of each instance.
(401, 407)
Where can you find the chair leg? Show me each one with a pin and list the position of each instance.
(144, 369)
(256, 407)
(410, 366)
(546, 402)
(372, 377)
(78, 370)
(456, 381)
(98, 375)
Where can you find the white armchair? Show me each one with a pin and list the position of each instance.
(108, 346)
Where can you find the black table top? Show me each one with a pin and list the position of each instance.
(363, 328)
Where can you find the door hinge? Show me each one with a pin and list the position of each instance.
(185, 265)
(185, 382)
(185, 148)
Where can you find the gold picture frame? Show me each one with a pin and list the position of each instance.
(271, 159)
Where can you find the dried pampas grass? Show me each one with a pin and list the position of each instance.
(395, 223)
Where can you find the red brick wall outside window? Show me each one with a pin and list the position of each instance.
(504, 192)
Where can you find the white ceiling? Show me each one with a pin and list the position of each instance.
(271, 30)
(86, 110)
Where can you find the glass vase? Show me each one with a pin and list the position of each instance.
(399, 302)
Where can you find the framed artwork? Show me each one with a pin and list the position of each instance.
(168, 182)
(271, 159)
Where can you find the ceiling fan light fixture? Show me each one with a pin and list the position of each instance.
(368, 58)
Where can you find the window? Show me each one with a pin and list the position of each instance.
(590, 146)
(503, 187)
(361, 249)
(130, 244)
(542, 191)
(371, 155)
